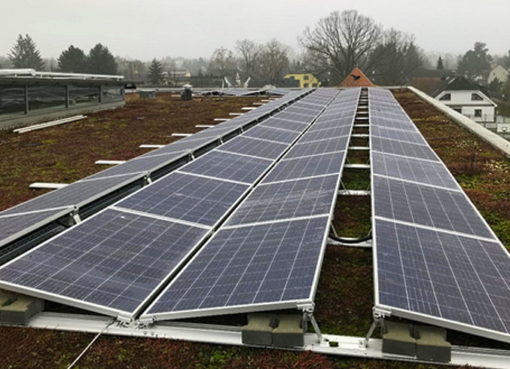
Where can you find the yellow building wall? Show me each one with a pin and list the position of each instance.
(305, 79)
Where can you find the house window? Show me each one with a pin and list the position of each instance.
(476, 97)
(305, 77)
(478, 113)
(305, 85)
(446, 97)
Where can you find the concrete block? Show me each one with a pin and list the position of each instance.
(431, 344)
(259, 329)
(290, 331)
(18, 311)
(397, 339)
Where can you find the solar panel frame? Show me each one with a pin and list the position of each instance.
(230, 166)
(41, 202)
(147, 315)
(388, 310)
(198, 200)
(71, 301)
(272, 134)
(246, 308)
(51, 215)
(252, 146)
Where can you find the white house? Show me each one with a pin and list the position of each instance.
(467, 98)
(499, 73)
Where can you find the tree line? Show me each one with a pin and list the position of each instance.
(330, 49)
(99, 60)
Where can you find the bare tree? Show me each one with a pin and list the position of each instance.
(273, 61)
(343, 41)
(395, 59)
(249, 52)
(222, 63)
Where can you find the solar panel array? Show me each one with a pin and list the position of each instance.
(268, 253)
(436, 259)
(115, 260)
(96, 186)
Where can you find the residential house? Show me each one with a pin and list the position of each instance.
(305, 79)
(467, 98)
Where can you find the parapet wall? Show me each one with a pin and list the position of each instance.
(492, 138)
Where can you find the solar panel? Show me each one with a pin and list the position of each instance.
(430, 206)
(398, 135)
(454, 278)
(243, 268)
(402, 148)
(306, 167)
(109, 264)
(139, 165)
(391, 123)
(16, 225)
(426, 172)
(187, 197)
(186, 144)
(324, 134)
(285, 200)
(284, 124)
(224, 165)
(76, 193)
(272, 134)
(295, 117)
(318, 147)
(253, 147)
(436, 259)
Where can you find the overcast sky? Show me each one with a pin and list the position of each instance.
(156, 28)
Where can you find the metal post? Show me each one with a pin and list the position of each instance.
(374, 325)
(26, 99)
(67, 95)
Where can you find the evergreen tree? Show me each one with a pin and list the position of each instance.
(101, 61)
(72, 59)
(25, 54)
(476, 63)
(440, 65)
(156, 72)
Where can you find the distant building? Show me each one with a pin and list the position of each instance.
(356, 79)
(305, 79)
(500, 73)
(468, 99)
(28, 96)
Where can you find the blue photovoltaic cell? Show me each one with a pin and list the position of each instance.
(187, 197)
(185, 144)
(427, 172)
(137, 165)
(76, 193)
(284, 124)
(295, 117)
(448, 276)
(268, 263)
(403, 148)
(272, 134)
(403, 124)
(325, 134)
(285, 200)
(317, 147)
(397, 134)
(250, 146)
(306, 167)
(12, 224)
(114, 260)
(434, 207)
(224, 165)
